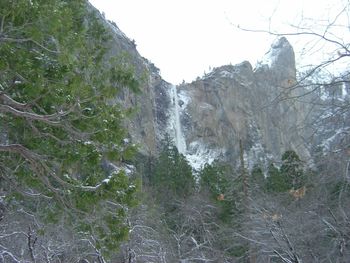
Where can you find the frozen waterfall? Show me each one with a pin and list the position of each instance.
(179, 138)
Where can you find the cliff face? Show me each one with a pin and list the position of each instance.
(234, 103)
(150, 117)
(208, 117)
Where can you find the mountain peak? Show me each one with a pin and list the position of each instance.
(280, 58)
(281, 42)
(281, 53)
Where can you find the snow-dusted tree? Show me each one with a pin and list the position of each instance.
(57, 122)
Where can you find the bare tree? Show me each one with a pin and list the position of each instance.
(327, 40)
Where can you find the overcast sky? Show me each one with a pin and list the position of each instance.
(184, 38)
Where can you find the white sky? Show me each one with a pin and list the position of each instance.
(184, 38)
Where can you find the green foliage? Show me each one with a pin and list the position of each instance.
(290, 176)
(217, 180)
(172, 175)
(213, 177)
(56, 89)
(292, 169)
(275, 181)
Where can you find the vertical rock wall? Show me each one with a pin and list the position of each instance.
(229, 104)
(238, 102)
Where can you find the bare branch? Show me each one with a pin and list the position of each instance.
(31, 240)
(7, 100)
(19, 149)
(303, 33)
(44, 118)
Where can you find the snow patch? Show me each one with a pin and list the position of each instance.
(87, 143)
(184, 99)
(197, 153)
(206, 106)
(226, 74)
(126, 168)
(200, 154)
(256, 154)
(126, 140)
(270, 58)
(323, 94)
(344, 90)
(326, 114)
(106, 181)
(129, 169)
(339, 93)
(327, 143)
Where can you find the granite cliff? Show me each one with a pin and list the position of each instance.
(234, 103)
(229, 104)
(210, 116)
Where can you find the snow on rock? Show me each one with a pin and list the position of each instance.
(183, 99)
(226, 74)
(200, 154)
(257, 154)
(267, 60)
(128, 169)
(323, 94)
(327, 143)
(339, 93)
(197, 152)
(274, 54)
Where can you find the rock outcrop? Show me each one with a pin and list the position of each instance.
(234, 103)
(230, 104)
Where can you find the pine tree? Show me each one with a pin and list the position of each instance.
(292, 169)
(173, 175)
(57, 122)
(275, 181)
(213, 178)
(216, 180)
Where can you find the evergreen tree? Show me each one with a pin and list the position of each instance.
(292, 170)
(216, 179)
(213, 178)
(275, 181)
(57, 122)
(173, 175)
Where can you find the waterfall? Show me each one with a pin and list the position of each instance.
(179, 138)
